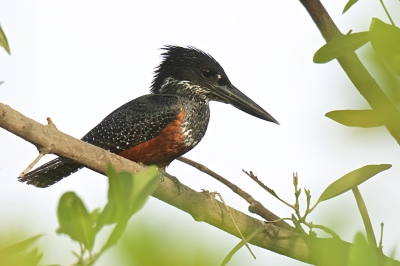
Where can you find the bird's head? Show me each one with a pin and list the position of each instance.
(188, 71)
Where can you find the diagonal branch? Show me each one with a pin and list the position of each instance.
(199, 205)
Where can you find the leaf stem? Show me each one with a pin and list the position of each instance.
(387, 13)
(365, 217)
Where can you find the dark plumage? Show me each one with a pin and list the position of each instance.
(159, 127)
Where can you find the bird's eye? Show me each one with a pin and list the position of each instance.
(207, 73)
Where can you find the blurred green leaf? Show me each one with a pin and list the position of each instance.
(385, 39)
(127, 193)
(75, 220)
(386, 77)
(18, 247)
(166, 243)
(349, 4)
(121, 186)
(106, 217)
(3, 41)
(391, 255)
(95, 215)
(116, 233)
(144, 185)
(340, 46)
(351, 180)
(32, 258)
(133, 199)
(119, 190)
(357, 118)
(361, 253)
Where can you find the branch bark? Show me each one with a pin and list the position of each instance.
(201, 206)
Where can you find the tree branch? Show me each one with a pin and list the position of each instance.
(201, 206)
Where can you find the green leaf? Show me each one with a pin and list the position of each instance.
(32, 258)
(349, 4)
(351, 180)
(129, 199)
(18, 247)
(75, 220)
(116, 233)
(362, 253)
(127, 194)
(357, 118)
(106, 216)
(119, 191)
(95, 215)
(3, 41)
(144, 185)
(340, 46)
(385, 39)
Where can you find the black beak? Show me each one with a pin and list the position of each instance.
(231, 95)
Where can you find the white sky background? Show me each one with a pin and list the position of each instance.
(76, 61)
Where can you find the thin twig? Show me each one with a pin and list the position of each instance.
(248, 238)
(241, 243)
(381, 237)
(324, 228)
(32, 164)
(255, 206)
(41, 153)
(308, 198)
(297, 193)
(237, 228)
(271, 191)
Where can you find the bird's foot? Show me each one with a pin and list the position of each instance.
(172, 178)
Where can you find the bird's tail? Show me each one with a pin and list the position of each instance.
(50, 173)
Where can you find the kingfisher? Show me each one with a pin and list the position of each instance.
(157, 128)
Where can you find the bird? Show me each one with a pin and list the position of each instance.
(156, 128)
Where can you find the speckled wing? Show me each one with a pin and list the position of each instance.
(137, 121)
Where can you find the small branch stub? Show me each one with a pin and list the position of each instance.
(50, 123)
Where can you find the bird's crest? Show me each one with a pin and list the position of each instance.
(178, 56)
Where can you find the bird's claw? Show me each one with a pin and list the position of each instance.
(172, 178)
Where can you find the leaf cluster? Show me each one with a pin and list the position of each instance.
(385, 41)
(127, 194)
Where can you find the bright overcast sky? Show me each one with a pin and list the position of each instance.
(76, 61)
